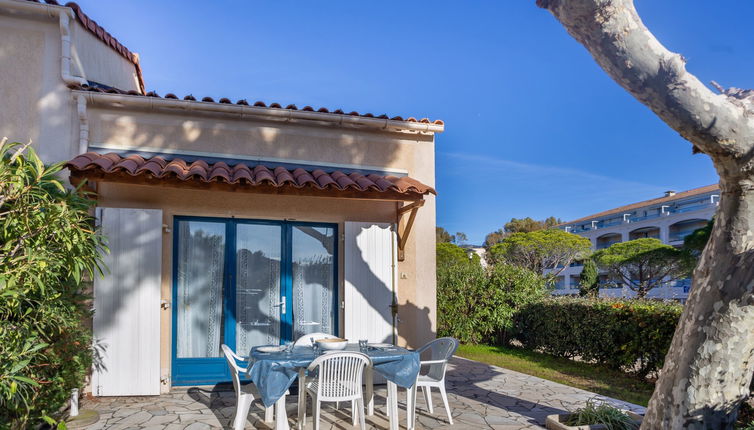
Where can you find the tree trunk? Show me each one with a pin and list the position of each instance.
(709, 366)
(710, 362)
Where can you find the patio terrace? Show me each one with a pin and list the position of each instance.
(481, 396)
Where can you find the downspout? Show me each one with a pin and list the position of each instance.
(83, 125)
(65, 51)
(64, 14)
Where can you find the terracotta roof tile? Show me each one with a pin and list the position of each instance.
(650, 202)
(111, 165)
(244, 102)
(102, 34)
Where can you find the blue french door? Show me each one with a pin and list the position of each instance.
(246, 283)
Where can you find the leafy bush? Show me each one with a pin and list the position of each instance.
(632, 335)
(48, 248)
(476, 305)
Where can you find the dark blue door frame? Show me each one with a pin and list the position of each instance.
(207, 371)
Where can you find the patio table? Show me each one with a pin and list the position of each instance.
(274, 372)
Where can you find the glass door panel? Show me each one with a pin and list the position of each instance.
(313, 279)
(257, 289)
(246, 283)
(200, 271)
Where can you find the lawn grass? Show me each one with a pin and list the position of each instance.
(596, 379)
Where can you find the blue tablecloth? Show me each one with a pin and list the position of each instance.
(274, 372)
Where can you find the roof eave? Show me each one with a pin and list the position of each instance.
(269, 113)
(76, 178)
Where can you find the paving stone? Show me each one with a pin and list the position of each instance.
(480, 396)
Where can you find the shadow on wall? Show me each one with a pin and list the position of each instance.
(373, 287)
(171, 132)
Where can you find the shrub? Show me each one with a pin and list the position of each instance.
(597, 412)
(48, 248)
(632, 335)
(476, 305)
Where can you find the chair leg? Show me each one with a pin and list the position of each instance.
(269, 414)
(353, 413)
(316, 404)
(301, 410)
(242, 411)
(361, 412)
(427, 391)
(301, 398)
(445, 402)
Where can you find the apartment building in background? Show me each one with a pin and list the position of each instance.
(669, 218)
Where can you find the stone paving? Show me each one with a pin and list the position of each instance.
(481, 397)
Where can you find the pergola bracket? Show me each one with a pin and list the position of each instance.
(403, 235)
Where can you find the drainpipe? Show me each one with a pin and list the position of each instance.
(65, 14)
(83, 124)
(65, 55)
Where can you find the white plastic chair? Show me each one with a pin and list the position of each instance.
(439, 351)
(339, 378)
(245, 393)
(306, 340)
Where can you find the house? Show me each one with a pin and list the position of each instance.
(235, 222)
(669, 218)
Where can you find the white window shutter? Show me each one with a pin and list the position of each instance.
(127, 304)
(370, 260)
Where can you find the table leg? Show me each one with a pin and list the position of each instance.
(281, 417)
(411, 407)
(392, 404)
(370, 390)
(301, 398)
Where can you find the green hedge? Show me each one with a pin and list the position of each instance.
(475, 305)
(632, 335)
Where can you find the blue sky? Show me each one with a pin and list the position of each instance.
(533, 125)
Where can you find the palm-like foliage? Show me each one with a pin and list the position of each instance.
(48, 252)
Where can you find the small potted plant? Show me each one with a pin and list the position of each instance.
(596, 415)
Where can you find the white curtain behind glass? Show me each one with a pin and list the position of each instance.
(200, 272)
(313, 280)
(257, 286)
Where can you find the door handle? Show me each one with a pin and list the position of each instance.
(282, 305)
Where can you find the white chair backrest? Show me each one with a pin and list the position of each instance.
(438, 350)
(306, 340)
(339, 374)
(235, 369)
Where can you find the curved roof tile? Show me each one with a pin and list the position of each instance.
(221, 172)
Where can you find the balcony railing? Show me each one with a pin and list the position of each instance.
(643, 218)
(668, 210)
(680, 235)
(603, 245)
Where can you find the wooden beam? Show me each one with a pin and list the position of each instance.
(403, 236)
(416, 204)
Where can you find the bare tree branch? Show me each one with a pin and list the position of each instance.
(720, 125)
